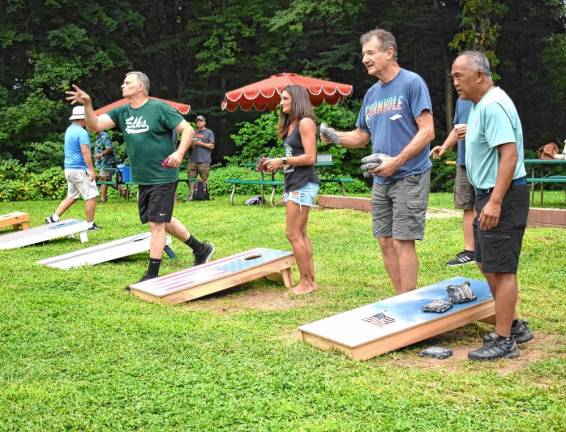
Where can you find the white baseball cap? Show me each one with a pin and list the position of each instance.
(78, 113)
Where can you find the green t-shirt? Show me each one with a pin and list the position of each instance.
(493, 121)
(149, 135)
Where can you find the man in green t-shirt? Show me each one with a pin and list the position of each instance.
(148, 127)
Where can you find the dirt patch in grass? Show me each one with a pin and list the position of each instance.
(543, 346)
(246, 297)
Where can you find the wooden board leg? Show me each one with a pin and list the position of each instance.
(83, 236)
(274, 277)
(24, 225)
(287, 276)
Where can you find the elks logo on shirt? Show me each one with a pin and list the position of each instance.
(382, 106)
(136, 125)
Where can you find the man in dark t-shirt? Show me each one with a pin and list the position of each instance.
(147, 126)
(200, 152)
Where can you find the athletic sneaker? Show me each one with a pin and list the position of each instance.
(204, 255)
(143, 278)
(94, 227)
(519, 330)
(464, 257)
(495, 347)
(50, 220)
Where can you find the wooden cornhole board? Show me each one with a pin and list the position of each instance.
(215, 276)
(103, 252)
(17, 220)
(43, 233)
(398, 321)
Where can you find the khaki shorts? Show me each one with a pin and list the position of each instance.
(201, 169)
(464, 193)
(399, 208)
(80, 185)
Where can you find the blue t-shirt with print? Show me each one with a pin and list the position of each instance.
(461, 115)
(389, 113)
(493, 121)
(75, 136)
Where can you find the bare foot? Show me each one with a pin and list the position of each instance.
(304, 288)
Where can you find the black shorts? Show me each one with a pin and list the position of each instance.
(155, 202)
(499, 248)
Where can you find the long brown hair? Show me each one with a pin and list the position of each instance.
(300, 108)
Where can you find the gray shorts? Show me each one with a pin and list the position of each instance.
(79, 184)
(464, 193)
(399, 209)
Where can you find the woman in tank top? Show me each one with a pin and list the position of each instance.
(298, 131)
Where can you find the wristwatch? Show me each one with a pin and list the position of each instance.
(285, 161)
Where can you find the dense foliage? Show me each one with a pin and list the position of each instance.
(196, 51)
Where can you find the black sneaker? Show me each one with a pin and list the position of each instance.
(143, 278)
(464, 257)
(204, 254)
(94, 227)
(495, 347)
(50, 220)
(520, 331)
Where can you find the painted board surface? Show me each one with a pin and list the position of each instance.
(42, 233)
(103, 252)
(194, 276)
(393, 315)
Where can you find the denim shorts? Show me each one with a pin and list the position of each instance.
(304, 196)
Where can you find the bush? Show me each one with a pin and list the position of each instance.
(44, 155)
(19, 184)
(442, 176)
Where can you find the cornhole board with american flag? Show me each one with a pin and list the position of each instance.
(205, 279)
(102, 252)
(396, 322)
(17, 220)
(43, 233)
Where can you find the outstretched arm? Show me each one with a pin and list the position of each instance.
(93, 122)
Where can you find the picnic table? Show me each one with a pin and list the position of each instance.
(542, 173)
(322, 161)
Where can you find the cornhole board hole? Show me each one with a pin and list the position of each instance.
(43, 233)
(396, 322)
(205, 279)
(102, 253)
(17, 220)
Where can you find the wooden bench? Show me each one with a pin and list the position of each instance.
(17, 220)
(272, 183)
(556, 179)
(275, 183)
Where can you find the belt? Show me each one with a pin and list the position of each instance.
(516, 182)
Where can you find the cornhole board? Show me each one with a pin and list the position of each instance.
(103, 252)
(17, 220)
(205, 279)
(43, 233)
(396, 322)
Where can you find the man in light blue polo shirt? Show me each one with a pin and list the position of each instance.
(79, 170)
(397, 114)
(494, 162)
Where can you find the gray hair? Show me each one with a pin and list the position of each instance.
(477, 61)
(142, 77)
(386, 39)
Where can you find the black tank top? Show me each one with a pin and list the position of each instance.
(297, 176)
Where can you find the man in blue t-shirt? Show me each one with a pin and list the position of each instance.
(79, 170)
(496, 169)
(464, 194)
(397, 114)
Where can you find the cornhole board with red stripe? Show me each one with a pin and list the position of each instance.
(205, 279)
(103, 252)
(396, 322)
(43, 233)
(17, 220)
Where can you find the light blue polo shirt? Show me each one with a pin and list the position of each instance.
(75, 136)
(493, 121)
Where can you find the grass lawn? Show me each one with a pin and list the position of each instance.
(76, 353)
